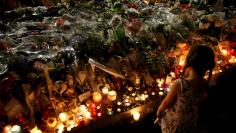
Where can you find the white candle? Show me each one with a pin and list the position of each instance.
(88, 115)
(68, 128)
(60, 127)
(82, 108)
(7, 129)
(105, 90)
(130, 88)
(224, 52)
(63, 116)
(99, 114)
(15, 129)
(137, 81)
(118, 103)
(99, 106)
(153, 93)
(97, 97)
(35, 130)
(133, 94)
(161, 93)
(143, 98)
(118, 110)
(112, 95)
(136, 116)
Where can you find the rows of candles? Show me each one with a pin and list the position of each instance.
(103, 103)
(108, 102)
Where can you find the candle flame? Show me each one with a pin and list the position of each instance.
(35, 130)
(136, 116)
(63, 116)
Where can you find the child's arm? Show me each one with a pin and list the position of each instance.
(170, 98)
(48, 80)
(40, 66)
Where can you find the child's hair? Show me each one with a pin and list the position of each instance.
(202, 58)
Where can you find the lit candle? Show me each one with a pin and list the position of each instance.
(169, 79)
(105, 90)
(99, 114)
(136, 116)
(82, 108)
(232, 60)
(130, 88)
(118, 103)
(133, 94)
(35, 130)
(127, 104)
(80, 117)
(126, 100)
(51, 122)
(143, 98)
(71, 119)
(88, 115)
(161, 93)
(63, 116)
(224, 52)
(118, 110)
(153, 93)
(68, 128)
(137, 81)
(172, 74)
(92, 106)
(181, 61)
(75, 109)
(60, 127)
(112, 95)
(160, 81)
(109, 110)
(15, 129)
(7, 129)
(99, 106)
(88, 102)
(97, 97)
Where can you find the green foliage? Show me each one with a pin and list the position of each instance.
(120, 34)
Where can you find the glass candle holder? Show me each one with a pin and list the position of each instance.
(97, 97)
(112, 95)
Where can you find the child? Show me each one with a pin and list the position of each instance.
(178, 112)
